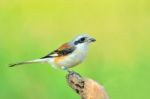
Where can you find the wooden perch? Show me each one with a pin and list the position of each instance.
(85, 87)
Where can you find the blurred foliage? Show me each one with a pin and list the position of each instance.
(120, 59)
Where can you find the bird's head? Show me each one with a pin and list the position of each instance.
(83, 39)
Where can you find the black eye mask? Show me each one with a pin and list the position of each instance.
(81, 40)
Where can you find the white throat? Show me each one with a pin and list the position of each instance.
(82, 47)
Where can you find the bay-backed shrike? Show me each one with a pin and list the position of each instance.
(66, 56)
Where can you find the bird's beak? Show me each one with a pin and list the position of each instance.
(92, 39)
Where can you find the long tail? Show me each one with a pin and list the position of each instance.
(28, 62)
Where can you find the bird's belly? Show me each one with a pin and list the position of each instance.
(71, 60)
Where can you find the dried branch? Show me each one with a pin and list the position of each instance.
(85, 87)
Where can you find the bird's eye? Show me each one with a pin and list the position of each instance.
(82, 39)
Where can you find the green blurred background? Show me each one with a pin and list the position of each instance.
(120, 59)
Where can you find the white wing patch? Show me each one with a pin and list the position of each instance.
(54, 55)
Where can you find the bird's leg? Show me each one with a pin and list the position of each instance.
(66, 68)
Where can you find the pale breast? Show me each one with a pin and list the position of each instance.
(72, 59)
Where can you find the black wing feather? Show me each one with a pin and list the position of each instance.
(58, 53)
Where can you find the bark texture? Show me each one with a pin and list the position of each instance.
(86, 87)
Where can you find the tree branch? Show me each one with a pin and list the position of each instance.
(85, 87)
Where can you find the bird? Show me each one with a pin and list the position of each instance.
(67, 55)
